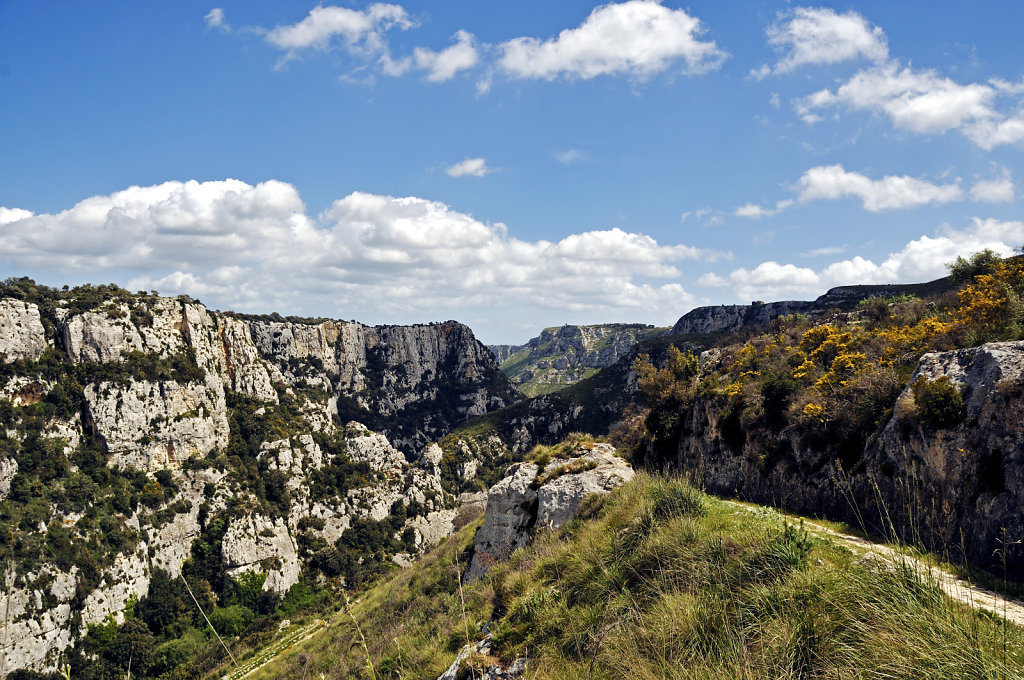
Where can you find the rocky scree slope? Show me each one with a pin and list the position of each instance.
(145, 439)
(563, 356)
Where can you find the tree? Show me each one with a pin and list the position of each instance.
(981, 262)
(132, 647)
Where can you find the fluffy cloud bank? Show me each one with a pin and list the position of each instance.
(368, 256)
(922, 259)
(637, 38)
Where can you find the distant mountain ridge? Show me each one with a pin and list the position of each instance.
(731, 318)
(562, 356)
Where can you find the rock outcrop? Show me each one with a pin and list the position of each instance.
(475, 660)
(961, 484)
(259, 543)
(532, 497)
(21, 331)
(152, 425)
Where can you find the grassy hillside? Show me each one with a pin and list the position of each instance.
(660, 581)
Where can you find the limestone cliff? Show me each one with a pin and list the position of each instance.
(412, 382)
(150, 438)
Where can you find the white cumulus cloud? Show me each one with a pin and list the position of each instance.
(924, 102)
(809, 35)
(996, 190)
(215, 19)
(443, 65)
(637, 38)
(13, 215)
(360, 33)
(830, 182)
(357, 29)
(470, 167)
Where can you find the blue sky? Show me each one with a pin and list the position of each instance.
(510, 165)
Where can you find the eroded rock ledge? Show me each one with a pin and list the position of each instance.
(532, 497)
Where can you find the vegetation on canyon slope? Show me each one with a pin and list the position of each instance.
(837, 381)
(658, 580)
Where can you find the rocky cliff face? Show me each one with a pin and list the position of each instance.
(536, 496)
(413, 382)
(21, 330)
(961, 481)
(145, 435)
(563, 356)
(503, 353)
(953, 486)
(731, 318)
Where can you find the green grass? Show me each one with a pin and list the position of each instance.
(516, 363)
(658, 580)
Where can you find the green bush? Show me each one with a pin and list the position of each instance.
(299, 597)
(981, 262)
(231, 620)
(939, 403)
(174, 653)
(247, 587)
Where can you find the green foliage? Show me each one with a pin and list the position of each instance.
(300, 597)
(132, 647)
(940, 403)
(247, 588)
(963, 269)
(231, 620)
(875, 309)
(669, 383)
(180, 367)
(177, 652)
(166, 608)
(777, 390)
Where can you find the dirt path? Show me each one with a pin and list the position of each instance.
(951, 584)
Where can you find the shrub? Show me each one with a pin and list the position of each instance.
(939, 403)
(981, 262)
(231, 620)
